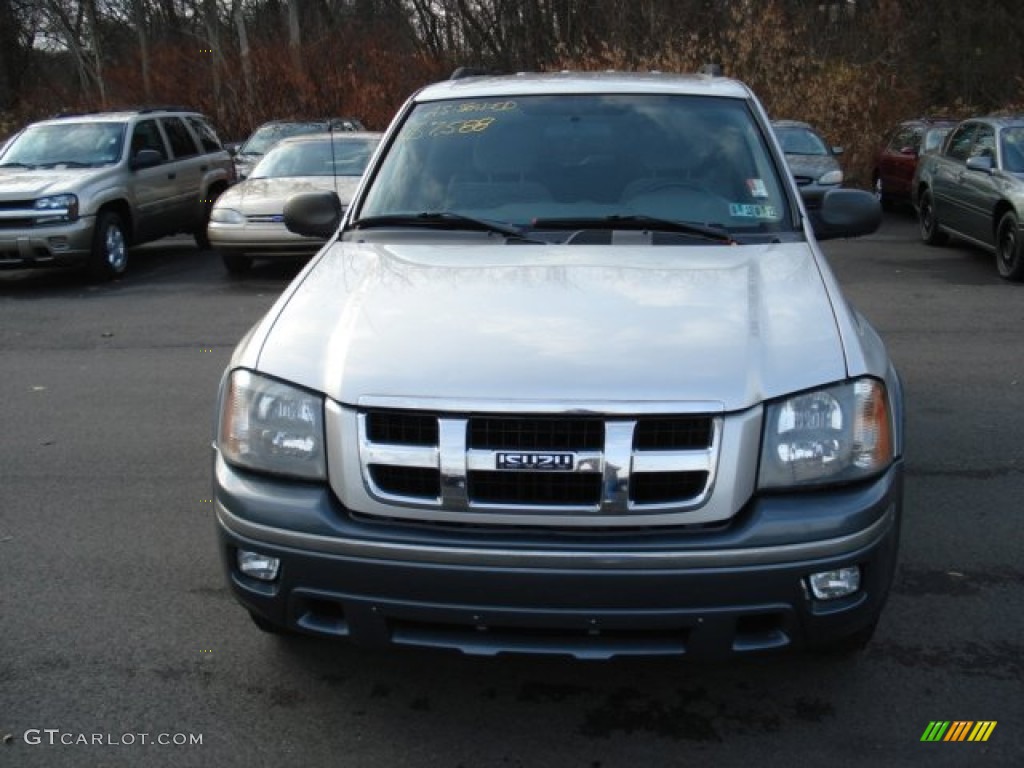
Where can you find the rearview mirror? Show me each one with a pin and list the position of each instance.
(313, 214)
(846, 213)
(146, 158)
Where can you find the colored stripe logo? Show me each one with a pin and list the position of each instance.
(958, 730)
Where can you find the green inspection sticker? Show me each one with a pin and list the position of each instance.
(752, 211)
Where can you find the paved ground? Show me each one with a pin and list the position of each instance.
(115, 621)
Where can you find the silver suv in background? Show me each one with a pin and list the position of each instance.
(571, 376)
(81, 189)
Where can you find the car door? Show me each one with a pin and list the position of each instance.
(899, 160)
(978, 188)
(152, 187)
(947, 177)
(186, 161)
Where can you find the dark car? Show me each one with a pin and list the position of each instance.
(974, 190)
(267, 135)
(813, 162)
(893, 175)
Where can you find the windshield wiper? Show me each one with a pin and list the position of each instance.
(634, 222)
(442, 220)
(16, 165)
(68, 163)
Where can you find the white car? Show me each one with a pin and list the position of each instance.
(571, 376)
(247, 221)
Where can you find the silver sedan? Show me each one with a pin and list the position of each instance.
(247, 221)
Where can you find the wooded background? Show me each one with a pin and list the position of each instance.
(851, 67)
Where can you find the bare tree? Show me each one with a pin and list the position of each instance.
(238, 15)
(139, 17)
(295, 37)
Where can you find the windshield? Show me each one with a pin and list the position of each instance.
(315, 158)
(603, 158)
(800, 141)
(266, 136)
(67, 143)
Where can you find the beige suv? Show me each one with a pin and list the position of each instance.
(79, 190)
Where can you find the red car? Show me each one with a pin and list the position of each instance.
(894, 168)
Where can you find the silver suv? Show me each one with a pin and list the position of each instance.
(79, 190)
(571, 376)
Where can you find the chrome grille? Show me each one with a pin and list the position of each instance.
(620, 465)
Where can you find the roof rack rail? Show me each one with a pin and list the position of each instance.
(711, 69)
(462, 72)
(163, 108)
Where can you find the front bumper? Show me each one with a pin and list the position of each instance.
(50, 246)
(264, 239)
(590, 594)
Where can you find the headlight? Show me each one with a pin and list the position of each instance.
(226, 216)
(60, 208)
(272, 427)
(832, 177)
(839, 434)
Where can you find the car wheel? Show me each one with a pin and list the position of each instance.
(929, 222)
(201, 235)
(884, 200)
(236, 263)
(109, 256)
(1009, 259)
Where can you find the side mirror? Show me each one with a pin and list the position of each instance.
(313, 214)
(146, 158)
(232, 147)
(837, 150)
(846, 213)
(980, 163)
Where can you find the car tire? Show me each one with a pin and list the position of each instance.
(1009, 248)
(884, 200)
(929, 222)
(109, 256)
(201, 235)
(236, 263)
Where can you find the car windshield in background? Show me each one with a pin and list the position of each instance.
(72, 144)
(599, 158)
(266, 137)
(316, 158)
(800, 141)
(933, 138)
(1013, 149)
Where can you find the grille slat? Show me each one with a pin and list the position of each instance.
(402, 428)
(673, 434)
(535, 433)
(407, 481)
(665, 487)
(554, 488)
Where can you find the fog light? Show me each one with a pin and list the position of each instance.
(829, 585)
(262, 567)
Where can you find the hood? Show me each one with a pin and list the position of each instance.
(25, 184)
(734, 325)
(269, 195)
(813, 166)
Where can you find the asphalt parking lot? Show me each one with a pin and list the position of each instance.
(120, 645)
